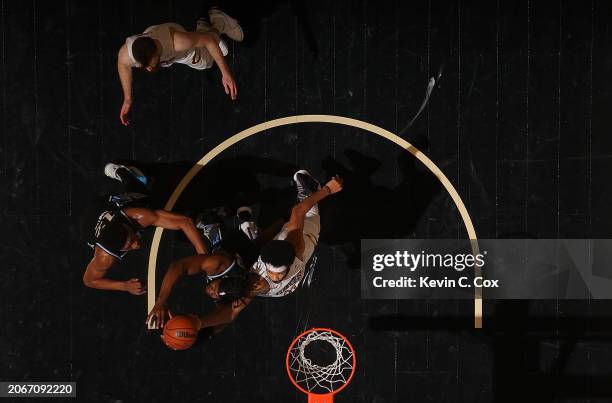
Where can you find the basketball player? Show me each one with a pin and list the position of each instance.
(224, 271)
(119, 227)
(282, 262)
(227, 280)
(165, 44)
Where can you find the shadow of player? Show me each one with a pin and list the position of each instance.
(230, 183)
(252, 14)
(226, 183)
(365, 209)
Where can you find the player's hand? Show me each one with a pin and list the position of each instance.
(157, 316)
(334, 185)
(125, 110)
(134, 286)
(196, 321)
(230, 86)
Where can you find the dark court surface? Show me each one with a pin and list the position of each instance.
(519, 121)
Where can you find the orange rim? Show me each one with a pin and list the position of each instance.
(321, 329)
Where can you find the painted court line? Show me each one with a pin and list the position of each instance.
(290, 120)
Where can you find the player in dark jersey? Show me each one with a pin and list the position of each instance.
(119, 227)
(226, 277)
(226, 281)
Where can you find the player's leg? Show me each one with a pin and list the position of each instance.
(203, 25)
(209, 223)
(245, 235)
(246, 222)
(306, 185)
(200, 58)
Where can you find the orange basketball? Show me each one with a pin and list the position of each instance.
(180, 333)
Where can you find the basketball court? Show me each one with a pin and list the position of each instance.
(446, 120)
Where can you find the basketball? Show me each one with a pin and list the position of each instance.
(180, 333)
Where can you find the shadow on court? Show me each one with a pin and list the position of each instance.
(252, 17)
(532, 355)
(227, 183)
(365, 209)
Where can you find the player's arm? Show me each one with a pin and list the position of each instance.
(124, 67)
(95, 275)
(295, 226)
(189, 40)
(187, 266)
(168, 220)
(224, 314)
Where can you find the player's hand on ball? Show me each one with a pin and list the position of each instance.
(334, 185)
(134, 286)
(157, 316)
(196, 321)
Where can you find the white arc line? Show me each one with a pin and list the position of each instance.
(291, 120)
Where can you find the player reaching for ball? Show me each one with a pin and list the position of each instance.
(222, 269)
(282, 261)
(227, 279)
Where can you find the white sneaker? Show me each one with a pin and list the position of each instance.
(111, 169)
(226, 24)
(246, 222)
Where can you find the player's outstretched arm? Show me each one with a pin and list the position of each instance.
(95, 275)
(187, 266)
(168, 220)
(124, 68)
(224, 314)
(188, 40)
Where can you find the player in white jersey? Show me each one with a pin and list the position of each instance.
(282, 261)
(165, 44)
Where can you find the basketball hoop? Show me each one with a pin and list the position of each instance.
(320, 381)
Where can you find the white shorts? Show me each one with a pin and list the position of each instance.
(200, 58)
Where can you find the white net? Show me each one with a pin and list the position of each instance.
(317, 378)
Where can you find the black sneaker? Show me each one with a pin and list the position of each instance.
(305, 183)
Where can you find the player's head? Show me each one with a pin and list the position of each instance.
(278, 256)
(227, 289)
(115, 236)
(145, 52)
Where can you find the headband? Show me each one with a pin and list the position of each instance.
(214, 276)
(276, 269)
